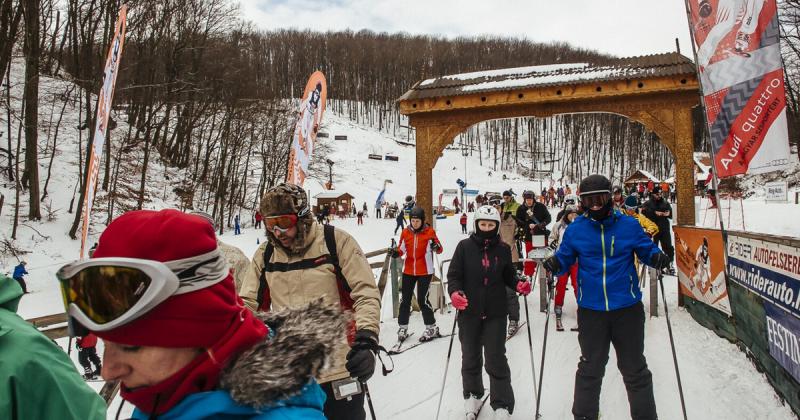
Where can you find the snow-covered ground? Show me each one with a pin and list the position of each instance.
(719, 382)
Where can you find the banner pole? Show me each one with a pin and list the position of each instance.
(714, 179)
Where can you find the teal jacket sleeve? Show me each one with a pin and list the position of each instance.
(38, 380)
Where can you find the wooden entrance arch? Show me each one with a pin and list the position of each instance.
(658, 91)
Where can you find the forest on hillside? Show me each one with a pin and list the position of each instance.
(213, 96)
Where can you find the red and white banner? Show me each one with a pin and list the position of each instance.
(103, 109)
(739, 60)
(305, 132)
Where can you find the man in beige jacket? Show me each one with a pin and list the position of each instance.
(301, 267)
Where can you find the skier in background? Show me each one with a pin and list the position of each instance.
(237, 228)
(477, 279)
(463, 222)
(659, 211)
(417, 243)
(87, 354)
(617, 198)
(401, 222)
(258, 220)
(569, 215)
(19, 274)
(532, 220)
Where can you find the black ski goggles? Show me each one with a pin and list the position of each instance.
(595, 199)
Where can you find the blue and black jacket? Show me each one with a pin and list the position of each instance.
(607, 278)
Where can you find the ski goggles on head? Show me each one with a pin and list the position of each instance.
(595, 198)
(102, 294)
(282, 222)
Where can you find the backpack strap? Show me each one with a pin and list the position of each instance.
(330, 243)
(263, 288)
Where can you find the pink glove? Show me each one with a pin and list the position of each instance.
(524, 288)
(459, 300)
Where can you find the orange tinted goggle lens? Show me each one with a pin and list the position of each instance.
(284, 222)
(104, 293)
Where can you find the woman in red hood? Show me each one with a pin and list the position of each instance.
(161, 296)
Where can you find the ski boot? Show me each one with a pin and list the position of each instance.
(513, 326)
(670, 270)
(98, 370)
(558, 312)
(431, 332)
(402, 333)
(472, 405)
(88, 374)
(502, 414)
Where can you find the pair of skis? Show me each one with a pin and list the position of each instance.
(399, 349)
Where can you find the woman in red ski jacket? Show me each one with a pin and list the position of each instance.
(418, 242)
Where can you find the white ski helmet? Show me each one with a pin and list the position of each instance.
(487, 213)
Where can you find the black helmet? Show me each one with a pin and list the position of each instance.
(417, 213)
(617, 189)
(507, 193)
(409, 198)
(528, 194)
(594, 184)
(495, 200)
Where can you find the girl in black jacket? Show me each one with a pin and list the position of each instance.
(479, 273)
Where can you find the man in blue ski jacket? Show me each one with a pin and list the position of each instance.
(609, 300)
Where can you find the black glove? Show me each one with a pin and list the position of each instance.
(435, 246)
(660, 261)
(394, 253)
(361, 358)
(552, 265)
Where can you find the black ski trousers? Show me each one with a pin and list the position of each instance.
(343, 409)
(664, 240)
(625, 329)
(513, 304)
(485, 337)
(22, 284)
(89, 355)
(407, 292)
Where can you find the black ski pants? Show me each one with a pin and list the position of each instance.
(664, 240)
(343, 409)
(86, 355)
(513, 304)
(485, 337)
(400, 225)
(22, 284)
(625, 329)
(407, 292)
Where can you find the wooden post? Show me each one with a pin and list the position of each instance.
(653, 291)
(396, 273)
(541, 274)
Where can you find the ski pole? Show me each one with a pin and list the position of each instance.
(530, 348)
(672, 344)
(544, 347)
(369, 399)
(447, 363)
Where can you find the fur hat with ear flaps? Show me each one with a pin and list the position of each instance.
(285, 199)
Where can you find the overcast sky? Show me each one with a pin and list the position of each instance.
(618, 27)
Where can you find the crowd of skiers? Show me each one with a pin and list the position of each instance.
(296, 335)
